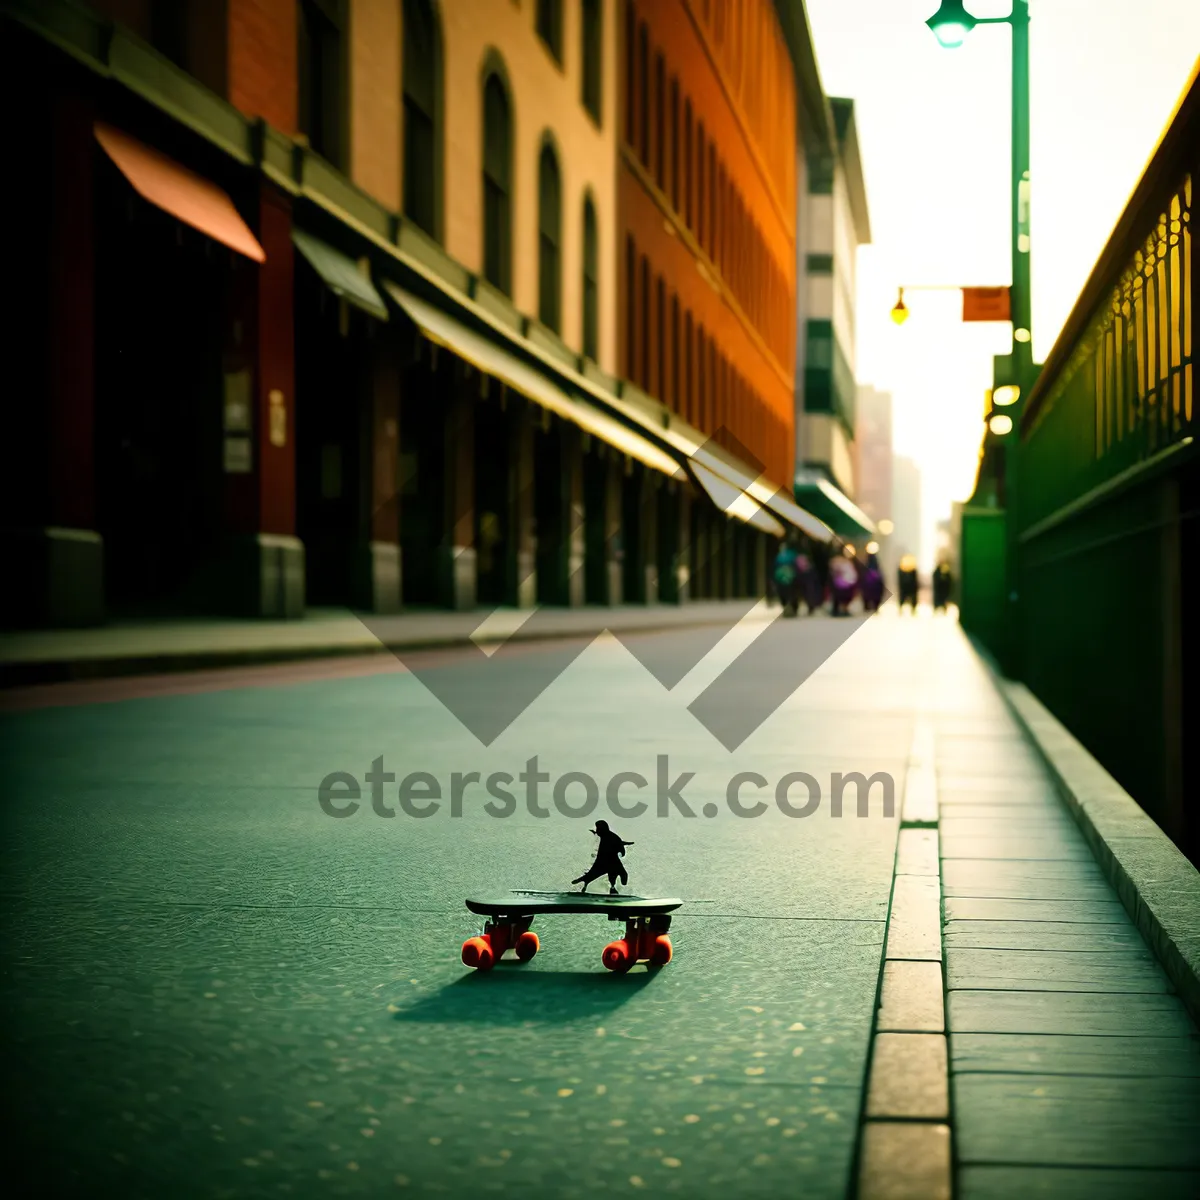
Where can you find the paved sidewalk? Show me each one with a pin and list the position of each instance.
(144, 647)
(1074, 1068)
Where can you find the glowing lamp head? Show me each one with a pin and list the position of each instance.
(951, 24)
(1000, 424)
(886, 526)
(900, 309)
(1008, 394)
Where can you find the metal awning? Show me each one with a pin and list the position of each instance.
(732, 501)
(492, 359)
(340, 274)
(175, 189)
(833, 506)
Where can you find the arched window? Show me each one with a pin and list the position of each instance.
(549, 240)
(591, 282)
(592, 38)
(422, 116)
(497, 184)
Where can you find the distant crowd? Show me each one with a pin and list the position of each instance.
(813, 577)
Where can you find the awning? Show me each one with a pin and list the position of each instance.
(341, 274)
(169, 185)
(734, 502)
(492, 359)
(760, 491)
(833, 506)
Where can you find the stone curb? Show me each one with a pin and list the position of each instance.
(1158, 886)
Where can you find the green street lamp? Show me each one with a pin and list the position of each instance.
(951, 24)
(1013, 373)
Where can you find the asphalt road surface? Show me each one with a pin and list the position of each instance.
(213, 987)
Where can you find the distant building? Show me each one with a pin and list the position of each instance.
(835, 225)
(906, 507)
(873, 468)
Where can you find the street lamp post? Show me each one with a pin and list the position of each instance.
(951, 25)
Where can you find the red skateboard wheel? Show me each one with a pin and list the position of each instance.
(527, 945)
(660, 952)
(617, 957)
(477, 953)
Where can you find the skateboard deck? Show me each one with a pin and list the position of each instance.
(647, 920)
(529, 904)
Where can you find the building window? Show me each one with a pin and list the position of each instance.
(701, 388)
(631, 314)
(592, 49)
(321, 76)
(630, 75)
(422, 112)
(688, 369)
(660, 121)
(675, 144)
(549, 240)
(550, 26)
(497, 184)
(712, 200)
(643, 85)
(819, 264)
(700, 189)
(660, 338)
(645, 324)
(687, 163)
(591, 282)
(675, 353)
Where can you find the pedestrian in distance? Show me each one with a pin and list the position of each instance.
(843, 581)
(909, 584)
(608, 859)
(786, 576)
(943, 585)
(808, 581)
(870, 584)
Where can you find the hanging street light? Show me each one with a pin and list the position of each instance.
(900, 309)
(951, 24)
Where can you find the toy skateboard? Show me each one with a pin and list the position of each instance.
(509, 917)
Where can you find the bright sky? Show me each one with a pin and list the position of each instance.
(934, 131)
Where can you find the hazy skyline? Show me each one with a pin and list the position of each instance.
(934, 131)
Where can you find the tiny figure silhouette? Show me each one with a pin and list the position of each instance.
(608, 859)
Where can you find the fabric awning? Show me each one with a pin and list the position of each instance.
(763, 493)
(492, 359)
(833, 506)
(175, 189)
(734, 502)
(341, 274)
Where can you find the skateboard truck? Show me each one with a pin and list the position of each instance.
(645, 941)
